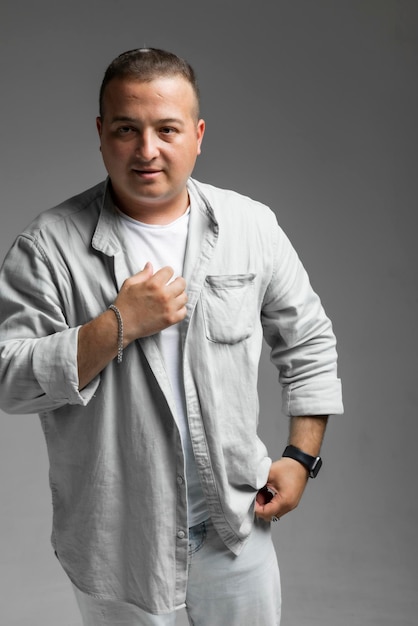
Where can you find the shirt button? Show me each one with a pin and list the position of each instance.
(181, 534)
(180, 480)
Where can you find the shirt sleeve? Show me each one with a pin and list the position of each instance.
(38, 349)
(301, 338)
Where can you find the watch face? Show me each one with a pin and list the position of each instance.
(315, 467)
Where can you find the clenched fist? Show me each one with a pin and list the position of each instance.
(150, 302)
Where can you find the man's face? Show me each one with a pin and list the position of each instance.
(150, 139)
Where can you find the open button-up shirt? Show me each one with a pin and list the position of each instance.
(116, 461)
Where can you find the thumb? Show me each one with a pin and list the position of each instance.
(146, 272)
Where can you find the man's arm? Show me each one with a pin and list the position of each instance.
(287, 477)
(147, 303)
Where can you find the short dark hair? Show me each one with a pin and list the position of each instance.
(146, 64)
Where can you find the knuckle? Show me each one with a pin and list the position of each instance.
(127, 283)
(165, 301)
(167, 320)
(153, 287)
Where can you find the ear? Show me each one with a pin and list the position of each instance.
(200, 132)
(99, 125)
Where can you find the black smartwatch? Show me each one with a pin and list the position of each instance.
(312, 463)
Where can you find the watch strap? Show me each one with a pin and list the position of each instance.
(312, 463)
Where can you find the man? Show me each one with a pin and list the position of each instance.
(132, 317)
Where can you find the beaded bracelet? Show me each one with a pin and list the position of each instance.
(120, 331)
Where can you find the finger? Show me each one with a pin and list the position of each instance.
(268, 504)
(269, 517)
(177, 287)
(145, 273)
(267, 510)
(163, 275)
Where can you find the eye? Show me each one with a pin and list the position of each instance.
(168, 130)
(124, 130)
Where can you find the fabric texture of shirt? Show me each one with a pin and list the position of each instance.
(116, 462)
(165, 245)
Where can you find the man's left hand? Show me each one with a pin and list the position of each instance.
(287, 480)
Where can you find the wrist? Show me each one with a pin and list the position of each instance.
(120, 343)
(312, 464)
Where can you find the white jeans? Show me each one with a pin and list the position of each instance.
(222, 589)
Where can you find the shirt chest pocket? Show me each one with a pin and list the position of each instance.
(229, 307)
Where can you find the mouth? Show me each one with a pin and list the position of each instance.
(146, 174)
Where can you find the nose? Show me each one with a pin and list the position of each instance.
(147, 146)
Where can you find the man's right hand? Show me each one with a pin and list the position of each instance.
(149, 303)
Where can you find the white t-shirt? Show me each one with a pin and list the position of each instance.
(164, 245)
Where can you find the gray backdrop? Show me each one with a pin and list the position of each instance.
(311, 108)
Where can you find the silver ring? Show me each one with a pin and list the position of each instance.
(275, 519)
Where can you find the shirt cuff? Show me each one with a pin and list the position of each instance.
(55, 367)
(322, 397)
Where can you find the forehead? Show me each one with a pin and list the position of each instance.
(161, 93)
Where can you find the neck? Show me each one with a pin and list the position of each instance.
(158, 212)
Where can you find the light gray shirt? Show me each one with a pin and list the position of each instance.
(116, 462)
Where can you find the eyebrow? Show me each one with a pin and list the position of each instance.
(133, 120)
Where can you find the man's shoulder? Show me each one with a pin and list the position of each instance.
(230, 204)
(223, 195)
(82, 207)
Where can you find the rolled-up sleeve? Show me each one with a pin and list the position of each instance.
(301, 338)
(38, 349)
